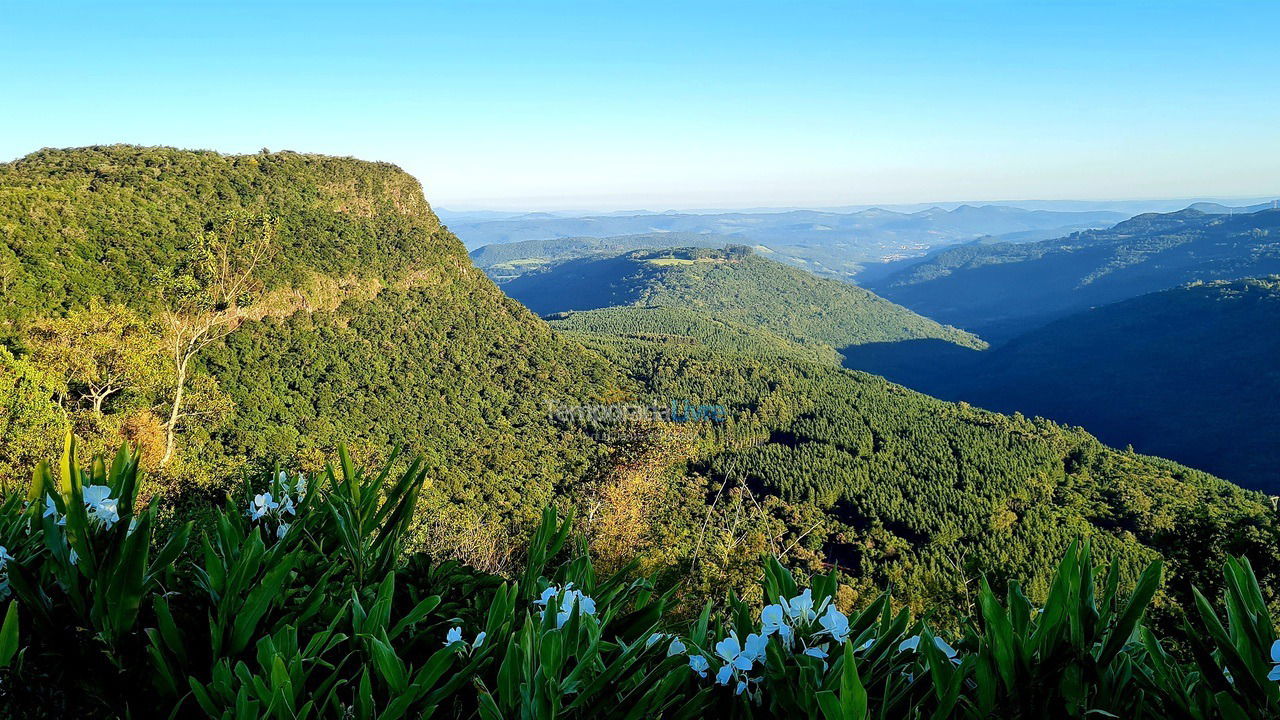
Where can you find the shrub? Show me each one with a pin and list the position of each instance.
(297, 601)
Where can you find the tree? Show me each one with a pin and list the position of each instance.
(99, 353)
(208, 298)
(31, 423)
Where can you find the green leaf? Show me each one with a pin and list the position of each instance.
(9, 635)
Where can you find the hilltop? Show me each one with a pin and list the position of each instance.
(733, 284)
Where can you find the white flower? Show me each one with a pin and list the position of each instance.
(742, 685)
(100, 505)
(819, 652)
(95, 494)
(5, 557)
(723, 674)
(755, 645)
(835, 624)
(51, 510)
(676, 648)
(742, 655)
(454, 635)
(865, 646)
(280, 531)
(910, 643)
(262, 504)
(479, 640)
(654, 639)
(699, 664)
(771, 619)
(801, 606)
(1274, 675)
(729, 648)
(571, 598)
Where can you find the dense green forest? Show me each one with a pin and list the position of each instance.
(364, 323)
(999, 291)
(888, 485)
(1185, 373)
(734, 284)
(223, 315)
(506, 261)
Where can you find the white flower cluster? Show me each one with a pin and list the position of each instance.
(568, 598)
(98, 503)
(269, 506)
(5, 559)
(1274, 675)
(799, 627)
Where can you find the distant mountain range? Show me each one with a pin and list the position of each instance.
(827, 243)
(1000, 290)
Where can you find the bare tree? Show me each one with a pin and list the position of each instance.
(208, 302)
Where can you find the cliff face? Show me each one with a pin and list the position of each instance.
(374, 328)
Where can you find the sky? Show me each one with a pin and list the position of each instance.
(616, 105)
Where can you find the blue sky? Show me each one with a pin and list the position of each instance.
(546, 105)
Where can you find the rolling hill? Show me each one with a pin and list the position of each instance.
(1002, 290)
(733, 284)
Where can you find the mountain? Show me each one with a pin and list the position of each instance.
(1214, 208)
(373, 327)
(1187, 374)
(999, 291)
(835, 244)
(850, 472)
(734, 284)
(680, 326)
(506, 261)
(367, 324)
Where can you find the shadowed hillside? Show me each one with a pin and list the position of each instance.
(999, 291)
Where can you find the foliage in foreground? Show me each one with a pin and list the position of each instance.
(297, 602)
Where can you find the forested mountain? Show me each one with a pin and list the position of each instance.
(364, 323)
(1187, 374)
(734, 284)
(999, 291)
(681, 326)
(886, 484)
(507, 261)
(228, 312)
